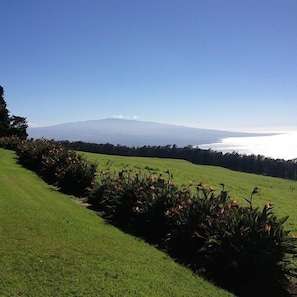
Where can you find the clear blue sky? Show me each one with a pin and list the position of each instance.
(209, 64)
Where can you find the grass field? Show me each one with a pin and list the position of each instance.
(51, 246)
(280, 192)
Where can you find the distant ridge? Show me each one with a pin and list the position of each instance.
(132, 133)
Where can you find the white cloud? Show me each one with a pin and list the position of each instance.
(119, 116)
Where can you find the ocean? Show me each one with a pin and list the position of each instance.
(278, 146)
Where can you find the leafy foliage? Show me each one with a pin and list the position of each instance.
(137, 204)
(60, 166)
(18, 126)
(77, 176)
(4, 115)
(11, 125)
(236, 246)
(9, 142)
(243, 245)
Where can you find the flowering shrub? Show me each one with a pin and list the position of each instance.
(10, 143)
(76, 176)
(246, 244)
(137, 204)
(57, 165)
(212, 234)
(31, 153)
(232, 244)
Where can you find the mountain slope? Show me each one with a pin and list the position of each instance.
(131, 133)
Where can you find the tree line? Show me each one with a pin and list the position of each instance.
(11, 125)
(257, 164)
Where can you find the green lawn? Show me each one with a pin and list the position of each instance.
(280, 192)
(51, 246)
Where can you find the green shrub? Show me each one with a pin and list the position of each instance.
(115, 198)
(76, 176)
(136, 203)
(236, 246)
(187, 224)
(156, 197)
(10, 143)
(53, 160)
(57, 165)
(32, 152)
(247, 244)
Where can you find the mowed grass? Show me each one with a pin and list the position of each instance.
(281, 193)
(51, 246)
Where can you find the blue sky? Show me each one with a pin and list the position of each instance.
(208, 64)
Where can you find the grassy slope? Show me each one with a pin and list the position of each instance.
(50, 246)
(280, 192)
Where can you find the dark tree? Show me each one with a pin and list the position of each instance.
(18, 127)
(4, 115)
(11, 126)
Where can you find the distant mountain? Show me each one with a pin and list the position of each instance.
(131, 133)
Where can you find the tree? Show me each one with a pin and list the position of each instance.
(18, 127)
(11, 125)
(4, 115)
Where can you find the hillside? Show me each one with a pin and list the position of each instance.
(282, 193)
(131, 133)
(51, 246)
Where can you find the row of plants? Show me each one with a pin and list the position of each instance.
(64, 168)
(239, 247)
(242, 248)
